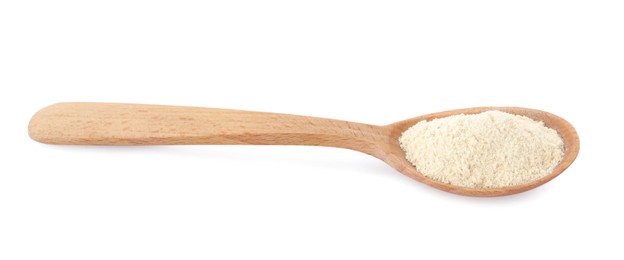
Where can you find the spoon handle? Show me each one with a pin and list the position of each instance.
(133, 124)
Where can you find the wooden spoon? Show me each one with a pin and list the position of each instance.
(132, 124)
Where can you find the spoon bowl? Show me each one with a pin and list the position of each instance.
(134, 124)
(397, 159)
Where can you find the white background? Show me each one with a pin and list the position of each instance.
(366, 61)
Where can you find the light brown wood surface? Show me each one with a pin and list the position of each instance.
(133, 124)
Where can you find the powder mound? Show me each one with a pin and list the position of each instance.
(488, 150)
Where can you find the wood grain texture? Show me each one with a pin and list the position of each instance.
(133, 124)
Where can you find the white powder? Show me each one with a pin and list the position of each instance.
(487, 150)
